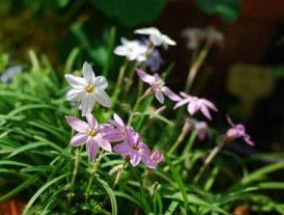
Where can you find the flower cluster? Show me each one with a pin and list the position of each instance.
(195, 36)
(89, 90)
(116, 136)
(145, 50)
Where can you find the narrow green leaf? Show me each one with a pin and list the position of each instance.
(178, 180)
(261, 172)
(111, 196)
(41, 190)
(19, 188)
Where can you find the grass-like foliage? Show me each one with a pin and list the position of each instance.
(197, 176)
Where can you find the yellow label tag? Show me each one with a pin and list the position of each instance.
(250, 83)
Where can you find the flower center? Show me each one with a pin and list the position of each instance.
(135, 148)
(89, 88)
(92, 133)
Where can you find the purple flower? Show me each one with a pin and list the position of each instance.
(195, 104)
(158, 86)
(154, 60)
(134, 149)
(201, 128)
(89, 132)
(157, 157)
(117, 131)
(237, 131)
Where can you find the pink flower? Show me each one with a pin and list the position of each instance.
(158, 86)
(237, 131)
(134, 149)
(157, 157)
(201, 128)
(195, 104)
(90, 133)
(117, 131)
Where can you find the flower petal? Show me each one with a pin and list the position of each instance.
(88, 73)
(122, 149)
(168, 41)
(146, 31)
(135, 159)
(79, 139)
(159, 96)
(192, 107)
(101, 82)
(92, 149)
(103, 143)
(170, 94)
(145, 77)
(75, 82)
(181, 103)
(77, 124)
(120, 50)
(74, 94)
(208, 104)
(205, 112)
(118, 120)
(87, 105)
(102, 98)
(156, 39)
(93, 124)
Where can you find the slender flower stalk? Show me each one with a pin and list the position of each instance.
(196, 66)
(136, 105)
(95, 167)
(184, 131)
(119, 81)
(237, 131)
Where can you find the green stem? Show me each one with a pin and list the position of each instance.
(110, 51)
(119, 81)
(196, 65)
(119, 173)
(190, 142)
(136, 105)
(209, 160)
(181, 137)
(95, 167)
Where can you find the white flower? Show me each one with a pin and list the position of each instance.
(194, 36)
(133, 50)
(214, 36)
(156, 37)
(88, 89)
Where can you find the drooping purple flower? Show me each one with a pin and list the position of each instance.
(201, 128)
(195, 104)
(154, 60)
(158, 86)
(134, 149)
(157, 157)
(89, 133)
(116, 130)
(237, 131)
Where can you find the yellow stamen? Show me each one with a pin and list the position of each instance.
(89, 88)
(92, 133)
